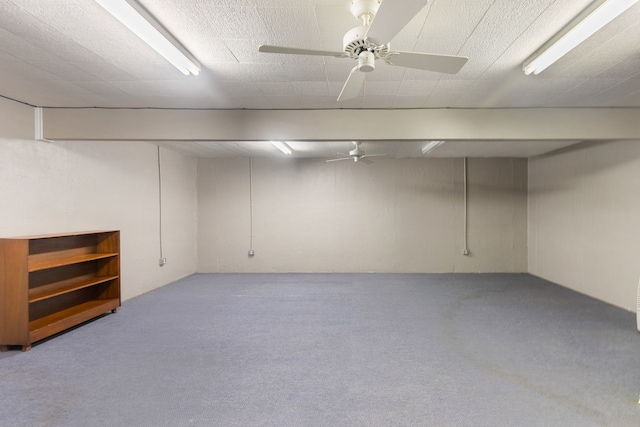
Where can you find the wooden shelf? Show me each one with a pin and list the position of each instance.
(58, 288)
(42, 262)
(53, 282)
(64, 319)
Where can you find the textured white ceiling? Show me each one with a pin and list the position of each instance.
(72, 53)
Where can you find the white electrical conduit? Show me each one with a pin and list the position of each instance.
(466, 246)
(251, 252)
(160, 202)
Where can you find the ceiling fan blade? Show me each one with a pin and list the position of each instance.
(449, 64)
(373, 155)
(353, 85)
(266, 48)
(335, 160)
(366, 161)
(393, 16)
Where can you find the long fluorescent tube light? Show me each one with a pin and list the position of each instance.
(282, 147)
(590, 21)
(430, 146)
(138, 20)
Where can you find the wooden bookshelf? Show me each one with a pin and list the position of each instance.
(51, 283)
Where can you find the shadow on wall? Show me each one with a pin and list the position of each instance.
(571, 166)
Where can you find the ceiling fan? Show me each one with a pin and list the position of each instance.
(357, 155)
(370, 41)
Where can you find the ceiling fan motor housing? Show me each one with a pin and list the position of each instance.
(354, 43)
(356, 152)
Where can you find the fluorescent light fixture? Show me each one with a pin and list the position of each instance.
(138, 20)
(591, 20)
(431, 145)
(282, 147)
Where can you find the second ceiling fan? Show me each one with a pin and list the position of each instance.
(370, 41)
(357, 154)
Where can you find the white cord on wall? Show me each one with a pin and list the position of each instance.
(251, 251)
(163, 260)
(466, 246)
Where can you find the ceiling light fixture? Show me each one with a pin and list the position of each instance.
(138, 20)
(599, 14)
(431, 145)
(282, 147)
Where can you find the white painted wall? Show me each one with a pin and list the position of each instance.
(392, 216)
(584, 220)
(76, 186)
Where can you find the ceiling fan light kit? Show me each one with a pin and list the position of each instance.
(366, 61)
(592, 19)
(380, 23)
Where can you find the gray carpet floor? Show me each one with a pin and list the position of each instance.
(336, 350)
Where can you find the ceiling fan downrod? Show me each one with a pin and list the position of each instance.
(365, 10)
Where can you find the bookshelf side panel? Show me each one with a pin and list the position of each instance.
(14, 287)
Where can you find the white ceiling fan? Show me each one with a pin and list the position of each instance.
(370, 41)
(357, 155)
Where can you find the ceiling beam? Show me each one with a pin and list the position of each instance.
(250, 125)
